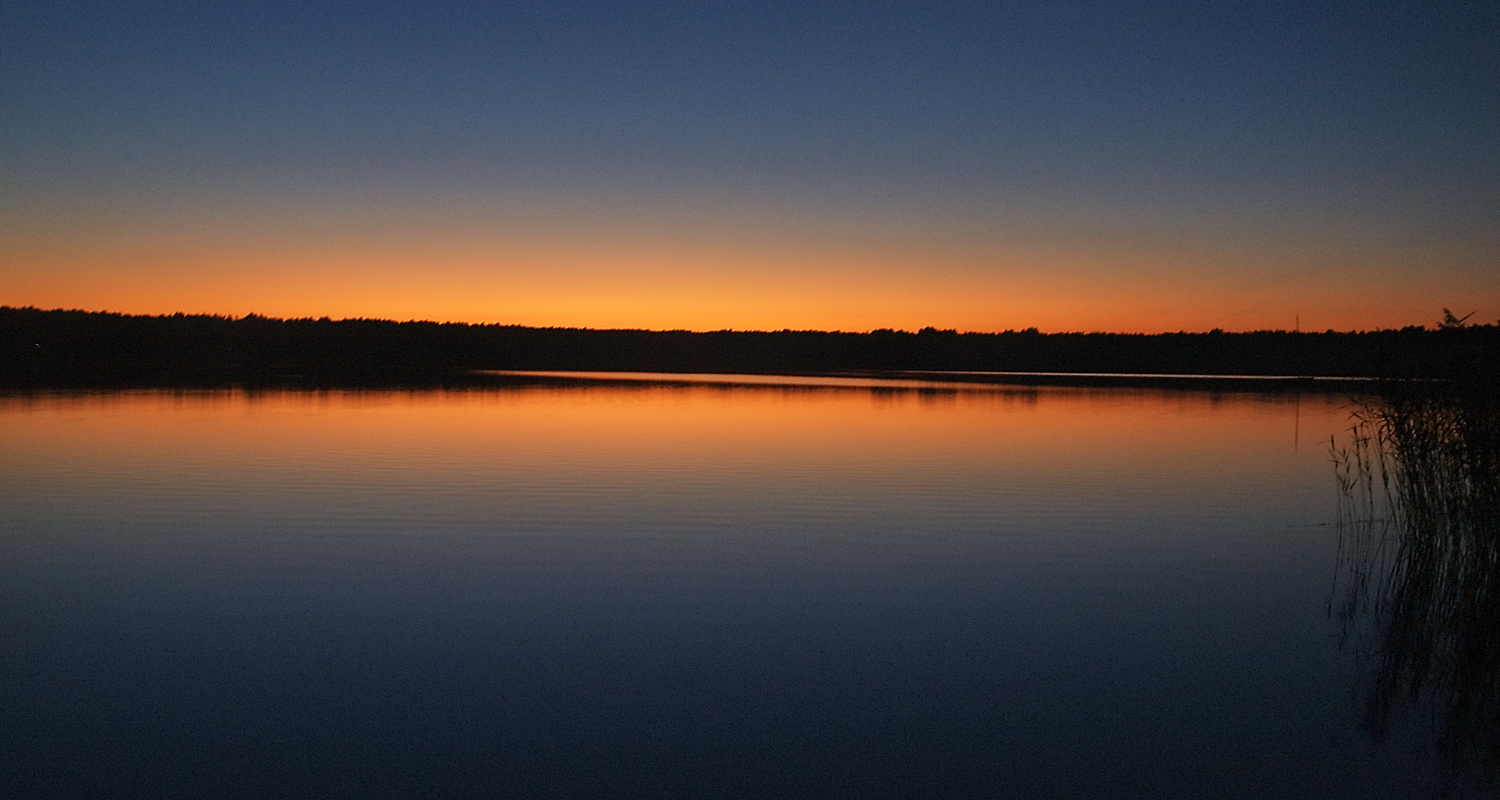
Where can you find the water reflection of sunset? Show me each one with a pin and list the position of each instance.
(1140, 445)
(1011, 567)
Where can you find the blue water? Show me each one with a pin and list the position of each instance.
(624, 589)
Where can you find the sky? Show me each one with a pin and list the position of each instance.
(1070, 166)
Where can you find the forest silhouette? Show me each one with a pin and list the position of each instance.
(79, 348)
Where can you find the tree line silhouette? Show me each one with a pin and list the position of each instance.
(64, 347)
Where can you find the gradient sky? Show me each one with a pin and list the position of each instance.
(756, 165)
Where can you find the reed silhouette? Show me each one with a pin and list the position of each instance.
(1419, 527)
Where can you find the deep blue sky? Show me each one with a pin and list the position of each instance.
(1343, 139)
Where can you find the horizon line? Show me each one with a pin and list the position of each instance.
(1033, 330)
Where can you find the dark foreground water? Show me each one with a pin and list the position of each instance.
(594, 589)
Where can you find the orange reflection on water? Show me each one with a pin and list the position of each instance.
(643, 432)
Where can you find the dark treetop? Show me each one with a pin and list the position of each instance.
(76, 348)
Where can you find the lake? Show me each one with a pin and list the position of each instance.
(601, 586)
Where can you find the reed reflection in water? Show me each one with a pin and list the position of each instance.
(1420, 565)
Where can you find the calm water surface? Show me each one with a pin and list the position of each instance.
(595, 589)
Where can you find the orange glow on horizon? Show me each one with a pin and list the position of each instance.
(742, 282)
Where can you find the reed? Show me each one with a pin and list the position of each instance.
(1419, 549)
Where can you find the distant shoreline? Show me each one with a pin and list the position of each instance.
(62, 349)
(939, 380)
